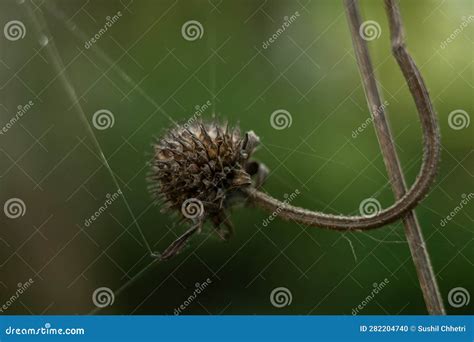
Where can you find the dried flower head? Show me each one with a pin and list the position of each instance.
(199, 171)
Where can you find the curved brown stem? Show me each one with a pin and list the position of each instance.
(413, 232)
(431, 148)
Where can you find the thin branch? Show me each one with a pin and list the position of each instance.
(420, 95)
(405, 200)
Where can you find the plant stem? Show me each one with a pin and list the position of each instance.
(405, 200)
(418, 90)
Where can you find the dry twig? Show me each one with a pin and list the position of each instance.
(405, 200)
(419, 92)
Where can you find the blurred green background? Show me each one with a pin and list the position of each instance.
(148, 76)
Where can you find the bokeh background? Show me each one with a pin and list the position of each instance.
(148, 76)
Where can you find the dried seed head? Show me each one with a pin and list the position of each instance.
(199, 169)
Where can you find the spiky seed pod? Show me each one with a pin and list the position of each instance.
(199, 170)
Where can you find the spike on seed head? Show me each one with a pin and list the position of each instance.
(199, 169)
